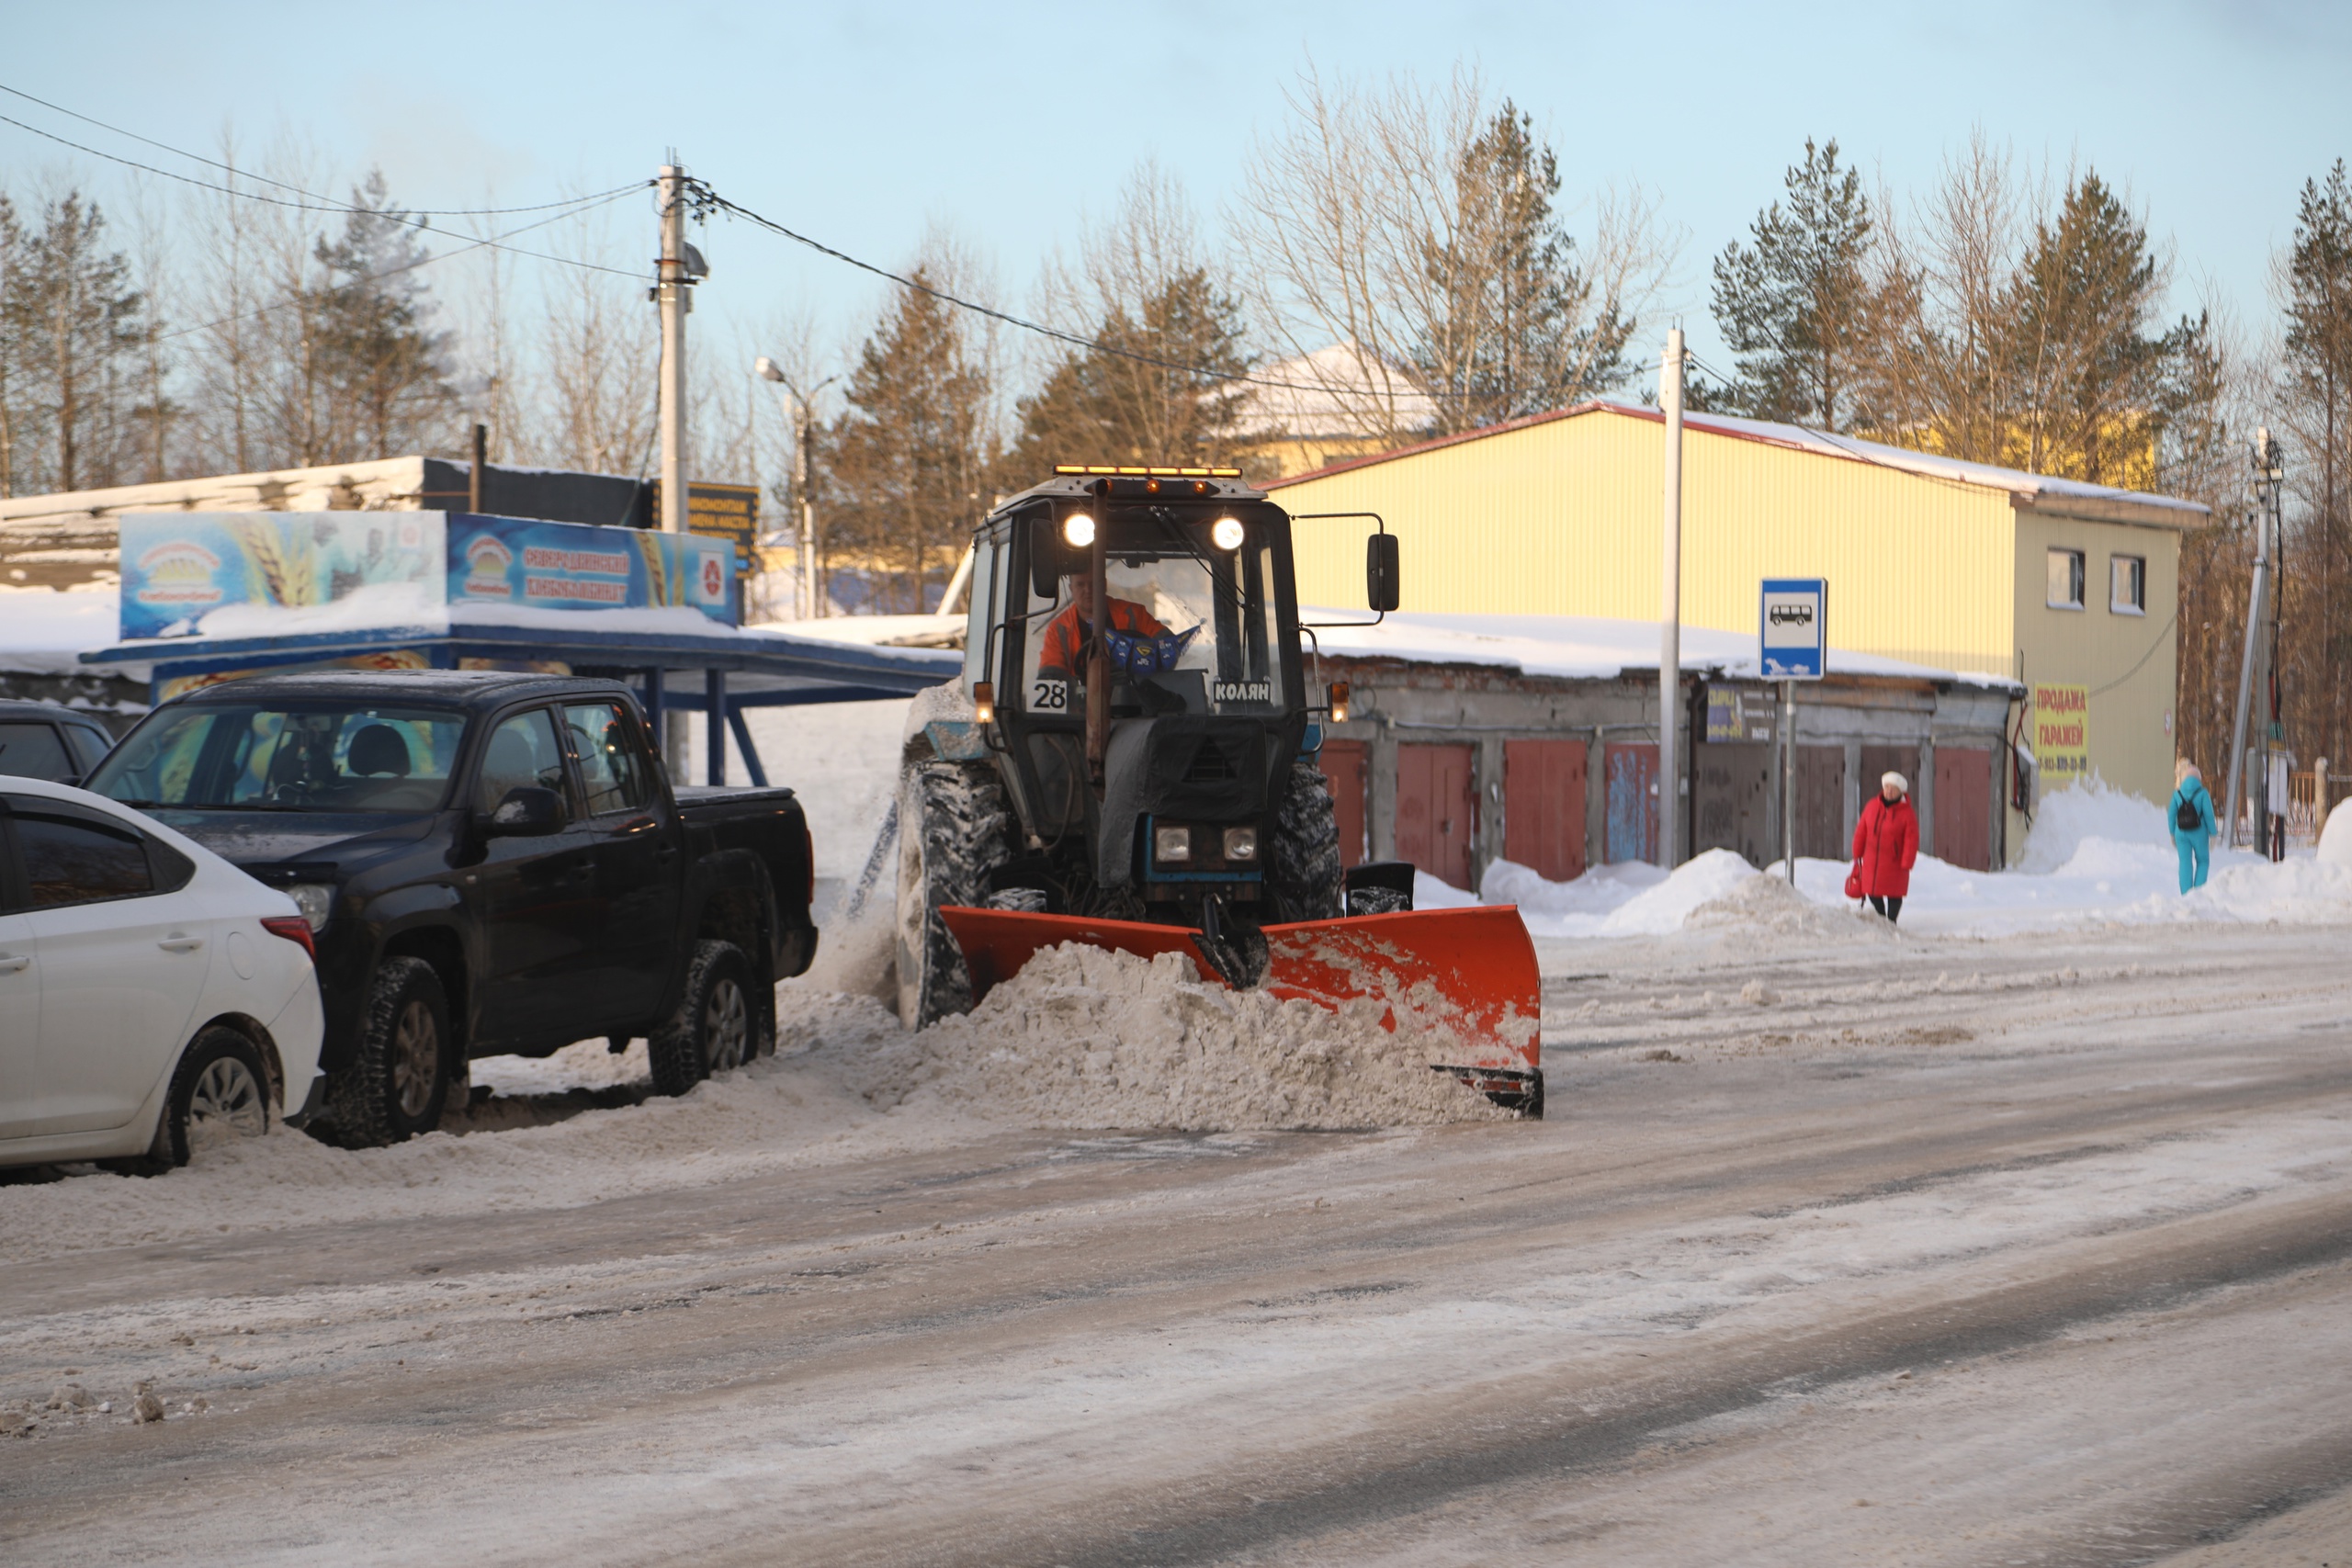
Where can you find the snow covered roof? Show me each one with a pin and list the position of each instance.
(46, 632)
(1588, 648)
(1340, 390)
(2041, 492)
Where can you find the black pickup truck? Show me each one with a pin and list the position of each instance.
(492, 863)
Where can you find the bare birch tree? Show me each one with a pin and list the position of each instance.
(1414, 226)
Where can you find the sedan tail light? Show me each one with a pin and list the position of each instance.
(294, 929)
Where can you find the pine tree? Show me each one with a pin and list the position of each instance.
(1512, 328)
(381, 365)
(907, 463)
(1129, 402)
(2318, 279)
(1795, 306)
(73, 320)
(2080, 307)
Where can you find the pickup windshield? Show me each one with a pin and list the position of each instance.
(291, 757)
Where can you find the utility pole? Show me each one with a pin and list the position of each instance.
(1669, 615)
(474, 479)
(2269, 471)
(673, 294)
(808, 602)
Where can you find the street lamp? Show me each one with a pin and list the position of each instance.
(807, 601)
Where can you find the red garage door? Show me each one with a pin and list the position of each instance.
(1964, 807)
(1343, 775)
(1543, 806)
(1436, 812)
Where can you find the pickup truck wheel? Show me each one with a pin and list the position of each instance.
(398, 1078)
(711, 1032)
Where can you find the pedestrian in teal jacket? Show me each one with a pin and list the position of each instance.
(2192, 824)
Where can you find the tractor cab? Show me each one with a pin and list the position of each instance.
(1162, 780)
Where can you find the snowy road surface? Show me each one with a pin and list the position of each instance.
(1848, 1250)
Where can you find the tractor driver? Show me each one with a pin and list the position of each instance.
(1062, 653)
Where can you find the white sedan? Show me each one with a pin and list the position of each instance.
(152, 997)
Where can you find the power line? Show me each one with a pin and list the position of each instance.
(405, 219)
(247, 173)
(427, 260)
(1075, 340)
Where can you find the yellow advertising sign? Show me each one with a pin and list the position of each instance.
(2061, 734)
(721, 512)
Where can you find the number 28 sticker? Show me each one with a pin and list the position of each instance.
(1049, 696)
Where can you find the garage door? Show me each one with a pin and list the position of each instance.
(1436, 811)
(1633, 800)
(1964, 807)
(1543, 806)
(1343, 775)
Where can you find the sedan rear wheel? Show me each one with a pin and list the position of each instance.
(219, 1093)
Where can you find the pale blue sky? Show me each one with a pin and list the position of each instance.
(861, 124)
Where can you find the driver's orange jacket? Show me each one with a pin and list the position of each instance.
(1066, 635)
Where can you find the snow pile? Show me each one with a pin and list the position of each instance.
(1598, 892)
(1663, 907)
(1767, 905)
(2335, 836)
(2087, 815)
(1084, 1037)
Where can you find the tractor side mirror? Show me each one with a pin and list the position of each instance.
(1380, 574)
(527, 812)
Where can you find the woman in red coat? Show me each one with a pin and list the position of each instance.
(1886, 841)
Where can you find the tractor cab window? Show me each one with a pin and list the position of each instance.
(1190, 628)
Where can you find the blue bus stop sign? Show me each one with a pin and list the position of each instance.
(1794, 627)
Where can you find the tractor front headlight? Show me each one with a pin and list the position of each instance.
(1241, 844)
(1225, 533)
(1171, 843)
(1077, 528)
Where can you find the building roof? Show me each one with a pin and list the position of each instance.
(2036, 492)
(1586, 648)
(1338, 391)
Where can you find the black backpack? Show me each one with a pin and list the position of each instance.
(2185, 815)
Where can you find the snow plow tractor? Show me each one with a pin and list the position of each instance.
(1129, 761)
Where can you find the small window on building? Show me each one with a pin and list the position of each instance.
(2127, 584)
(2065, 579)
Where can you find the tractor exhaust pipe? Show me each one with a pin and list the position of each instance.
(1098, 644)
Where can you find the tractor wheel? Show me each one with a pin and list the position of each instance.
(952, 831)
(1303, 876)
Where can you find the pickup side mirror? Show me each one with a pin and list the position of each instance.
(528, 812)
(1380, 575)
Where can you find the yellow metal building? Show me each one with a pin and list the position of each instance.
(2068, 587)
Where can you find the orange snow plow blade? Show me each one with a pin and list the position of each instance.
(996, 943)
(1466, 976)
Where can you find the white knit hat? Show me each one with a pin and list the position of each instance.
(1902, 785)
